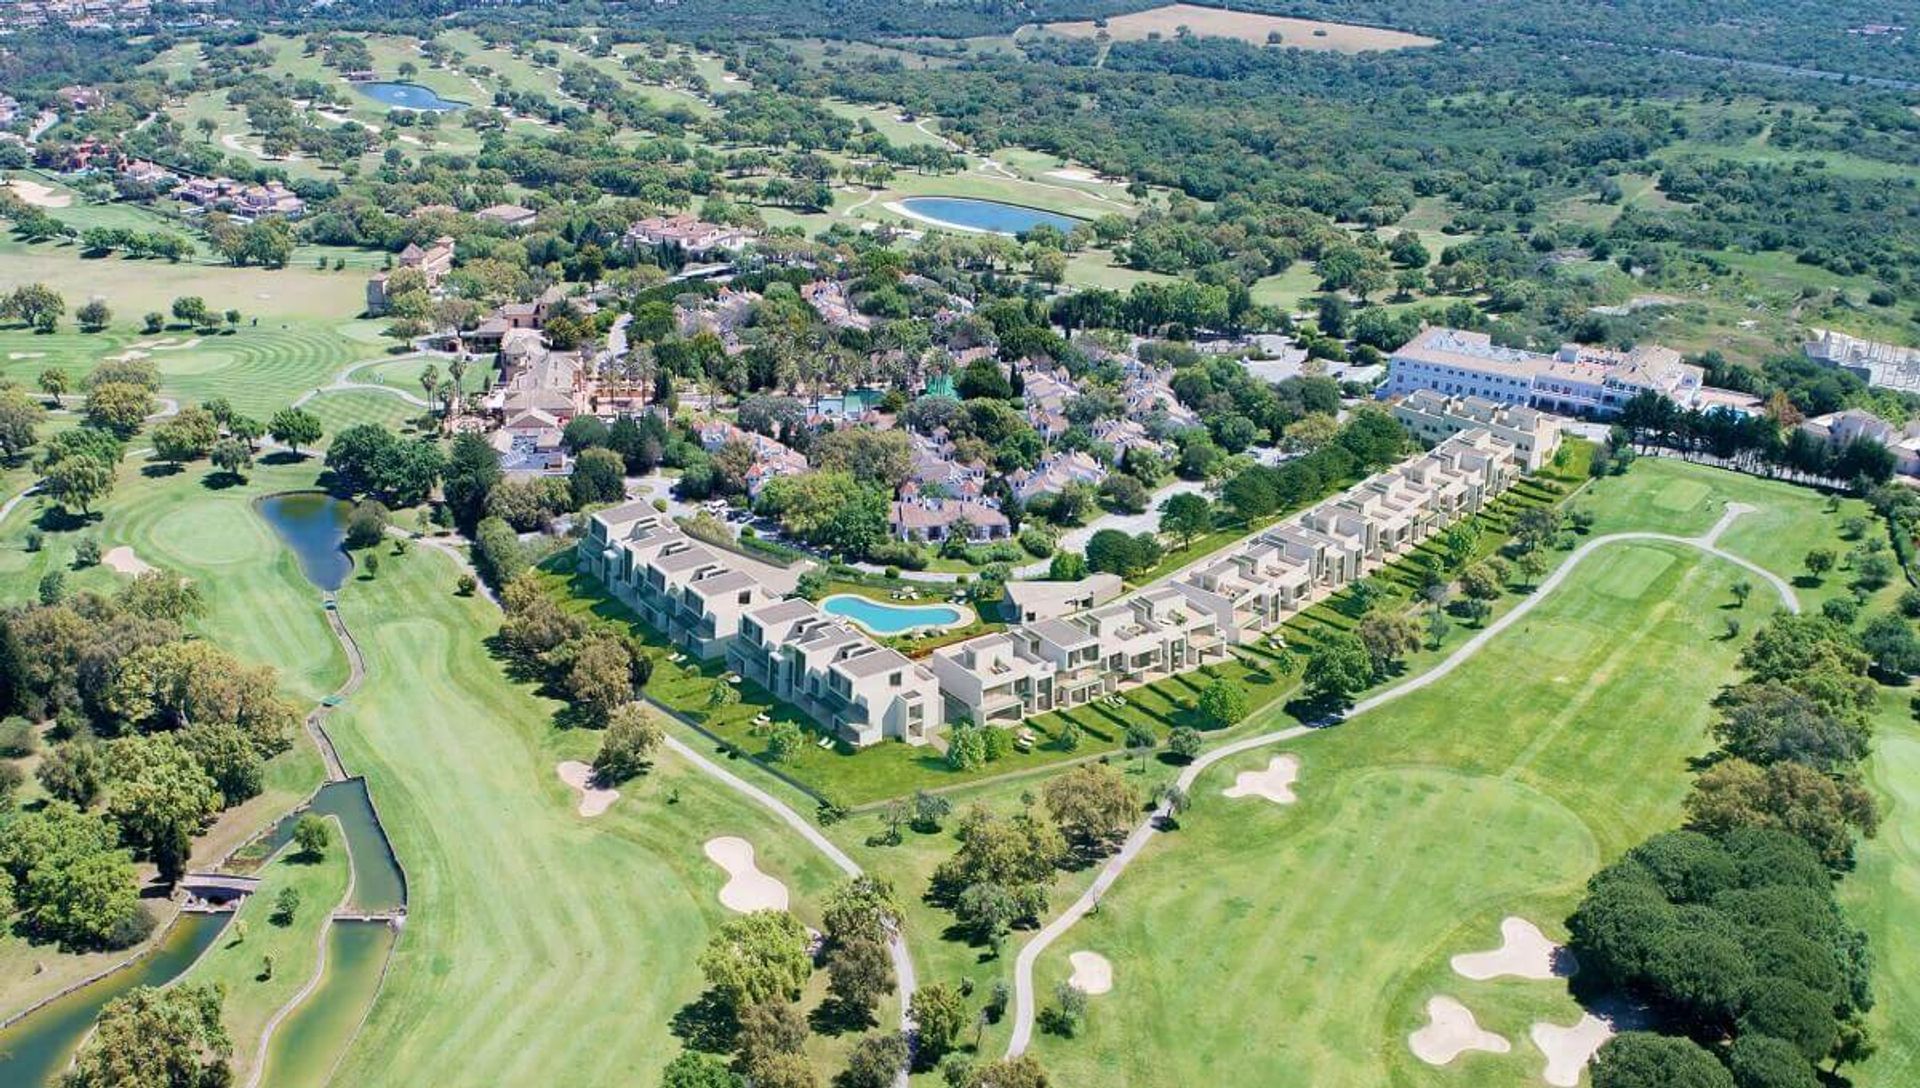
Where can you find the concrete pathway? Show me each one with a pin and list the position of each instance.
(1023, 999)
(8, 507)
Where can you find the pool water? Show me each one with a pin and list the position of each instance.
(990, 216)
(314, 525)
(408, 96)
(891, 619)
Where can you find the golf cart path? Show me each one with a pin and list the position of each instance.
(1137, 840)
(319, 974)
(896, 944)
(343, 383)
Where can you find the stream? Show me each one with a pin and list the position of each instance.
(308, 1044)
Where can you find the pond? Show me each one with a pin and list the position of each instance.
(314, 525)
(408, 96)
(892, 619)
(989, 216)
(38, 1048)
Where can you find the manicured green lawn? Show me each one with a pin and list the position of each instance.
(339, 409)
(1496, 791)
(1882, 895)
(236, 962)
(530, 929)
(298, 327)
(1670, 496)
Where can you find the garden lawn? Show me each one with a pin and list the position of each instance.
(236, 961)
(530, 928)
(1496, 791)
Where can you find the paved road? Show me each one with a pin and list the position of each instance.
(1023, 1000)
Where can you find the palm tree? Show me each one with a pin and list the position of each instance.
(430, 383)
(457, 369)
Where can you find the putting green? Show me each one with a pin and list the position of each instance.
(1681, 495)
(1633, 572)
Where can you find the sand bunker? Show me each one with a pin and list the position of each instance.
(1092, 974)
(1524, 952)
(593, 800)
(1451, 1032)
(1275, 783)
(1568, 1050)
(38, 195)
(164, 345)
(125, 561)
(12, 355)
(1076, 173)
(128, 356)
(747, 888)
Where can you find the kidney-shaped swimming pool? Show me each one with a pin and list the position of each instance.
(892, 619)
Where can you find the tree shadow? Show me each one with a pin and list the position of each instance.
(222, 481)
(160, 470)
(834, 1017)
(706, 1023)
(58, 519)
(284, 457)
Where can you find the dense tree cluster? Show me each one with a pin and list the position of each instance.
(157, 733)
(1730, 928)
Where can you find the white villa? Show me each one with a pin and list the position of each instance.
(1072, 646)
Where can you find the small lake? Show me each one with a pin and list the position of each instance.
(314, 525)
(989, 216)
(892, 619)
(34, 1051)
(408, 96)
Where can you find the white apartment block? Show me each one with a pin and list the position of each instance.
(1576, 380)
(1268, 578)
(693, 595)
(1435, 417)
(1066, 661)
(860, 691)
(1889, 366)
(705, 602)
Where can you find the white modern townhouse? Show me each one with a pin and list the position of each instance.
(860, 691)
(1075, 642)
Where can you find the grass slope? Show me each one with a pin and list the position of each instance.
(1496, 791)
(530, 929)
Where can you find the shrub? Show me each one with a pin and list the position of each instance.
(18, 738)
